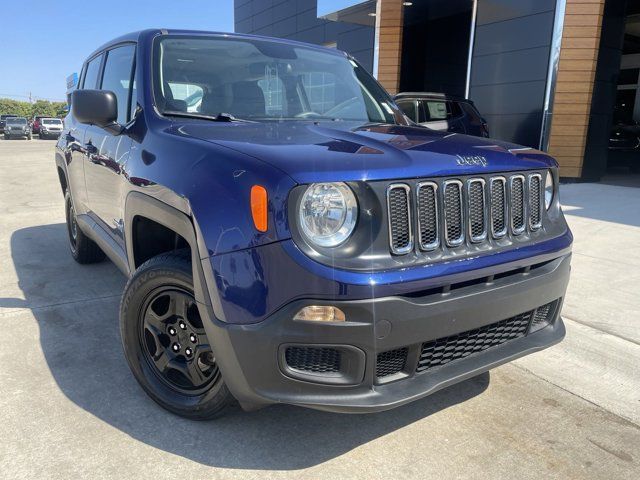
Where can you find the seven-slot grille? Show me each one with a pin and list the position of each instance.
(473, 209)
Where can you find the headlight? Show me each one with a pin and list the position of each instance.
(328, 213)
(548, 190)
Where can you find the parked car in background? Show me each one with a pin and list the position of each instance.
(445, 113)
(3, 119)
(17, 127)
(50, 127)
(297, 239)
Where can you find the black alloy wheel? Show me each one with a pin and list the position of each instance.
(175, 343)
(164, 339)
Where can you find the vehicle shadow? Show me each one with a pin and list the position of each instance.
(80, 341)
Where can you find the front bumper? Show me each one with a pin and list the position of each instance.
(255, 368)
(17, 133)
(50, 133)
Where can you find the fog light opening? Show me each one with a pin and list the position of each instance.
(320, 313)
(543, 316)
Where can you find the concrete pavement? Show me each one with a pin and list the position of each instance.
(70, 408)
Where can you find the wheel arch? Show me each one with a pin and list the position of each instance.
(143, 208)
(62, 173)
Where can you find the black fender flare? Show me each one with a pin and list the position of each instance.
(140, 204)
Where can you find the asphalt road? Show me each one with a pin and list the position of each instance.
(69, 408)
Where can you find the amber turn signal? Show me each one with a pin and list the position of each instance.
(259, 207)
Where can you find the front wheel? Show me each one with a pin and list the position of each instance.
(165, 342)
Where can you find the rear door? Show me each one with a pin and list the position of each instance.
(72, 140)
(108, 153)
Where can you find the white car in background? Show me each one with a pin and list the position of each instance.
(50, 127)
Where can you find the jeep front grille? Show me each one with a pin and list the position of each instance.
(427, 215)
(454, 212)
(498, 207)
(535, 201)
(453, 221)
(400, 231)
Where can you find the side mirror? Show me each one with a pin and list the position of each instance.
(96, 107)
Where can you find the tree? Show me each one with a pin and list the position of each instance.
(26, 109)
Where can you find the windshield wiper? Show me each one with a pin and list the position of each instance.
(220, 117)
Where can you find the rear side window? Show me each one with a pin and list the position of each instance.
(438, 110)
(91, 76)
(409, 108)
(435, 110)
(117, 77)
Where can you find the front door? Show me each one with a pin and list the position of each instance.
(107, 153)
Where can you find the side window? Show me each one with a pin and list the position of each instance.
(117, 77)
(91, 75)
(409, 108)
(435, 110)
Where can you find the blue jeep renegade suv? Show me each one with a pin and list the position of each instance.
(290, 236)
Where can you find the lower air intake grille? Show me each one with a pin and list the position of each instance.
(391, 362)
(543, 314)
(313, 359)
(444, 350)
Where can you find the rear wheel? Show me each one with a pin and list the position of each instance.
(165, 342)
(83, 249)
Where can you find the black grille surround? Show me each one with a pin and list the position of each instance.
(473, 213)
(436, 353)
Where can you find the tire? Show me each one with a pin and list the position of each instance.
(83, 249)
(151, 331)
(6, 137)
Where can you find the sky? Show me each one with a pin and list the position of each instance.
(43, 42)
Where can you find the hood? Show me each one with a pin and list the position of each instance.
(340, 151)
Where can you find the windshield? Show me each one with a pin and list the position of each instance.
(264, 80)
(52, 121)
(17, 121)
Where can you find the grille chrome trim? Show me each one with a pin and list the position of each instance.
(517, 230)
(502, 232)
(535, 225)
(469, 207)
(455, 242)
(409, 247)
(434, 244)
